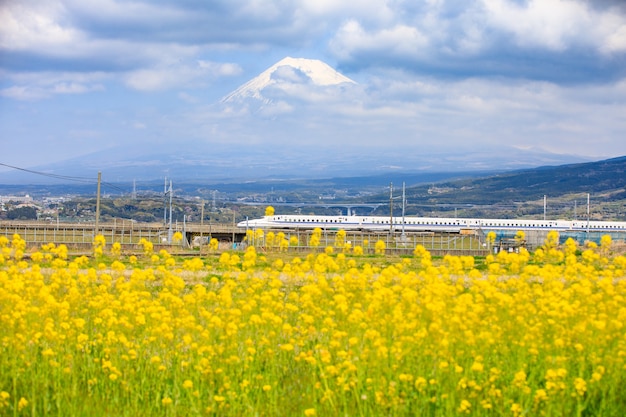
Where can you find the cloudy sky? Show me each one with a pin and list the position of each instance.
(79, 76)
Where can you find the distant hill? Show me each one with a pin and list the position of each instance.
(603, 179)
(518, 194)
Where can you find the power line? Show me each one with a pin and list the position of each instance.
(85, 180)
(47, 174)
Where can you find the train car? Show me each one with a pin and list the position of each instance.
(426, 224)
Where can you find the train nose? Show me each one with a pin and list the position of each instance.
(249, 223)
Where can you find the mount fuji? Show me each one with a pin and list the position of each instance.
(300, 118)
(289, 78)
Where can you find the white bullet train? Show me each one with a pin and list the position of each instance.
(427, 224)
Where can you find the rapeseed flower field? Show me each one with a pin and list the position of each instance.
(330, 333)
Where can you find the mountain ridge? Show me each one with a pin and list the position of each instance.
(603, 179)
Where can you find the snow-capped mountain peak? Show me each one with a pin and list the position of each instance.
(288, 70)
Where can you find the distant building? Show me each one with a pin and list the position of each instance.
(17, 199)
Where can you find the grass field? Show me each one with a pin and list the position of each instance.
(281, 333)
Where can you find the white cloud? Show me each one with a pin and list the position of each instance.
(153, 79)
(558, 24)
(615, 35)
(75, 88)
(120, 12)
(25, 93)
(36, 26)
(178, 75)
(144, 38)
(551, 24)
(466, 114)
(364, 10)
(538, 39)
(220, 69)
(402, 40)
(431, 72)
(32, 86)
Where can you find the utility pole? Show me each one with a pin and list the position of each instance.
(98, 204)
(390, 207)
(588, 212)
(169, 233)
(403, 209)
(165, 203)
(201, 226)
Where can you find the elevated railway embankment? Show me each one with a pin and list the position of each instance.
(129, 234)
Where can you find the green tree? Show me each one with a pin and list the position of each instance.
(22, 213)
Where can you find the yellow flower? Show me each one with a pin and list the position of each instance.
(465, 407)
(267, 388)
(4, 399)
(22, 403)
(580, 385)
(286, 347)
(166, 401)
(477, 367)
(540, 395)
(188, 384)
(310, 412)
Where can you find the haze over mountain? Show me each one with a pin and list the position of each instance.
(292, 85)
